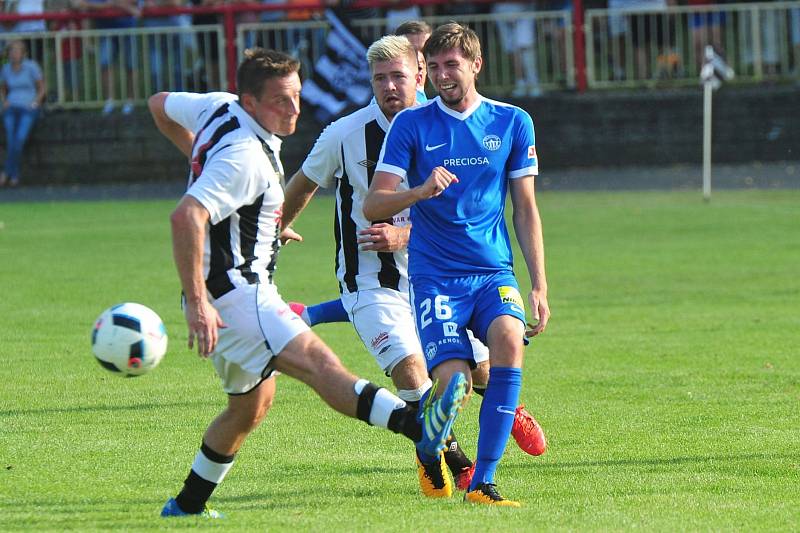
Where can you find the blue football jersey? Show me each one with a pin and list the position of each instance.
(462, 231)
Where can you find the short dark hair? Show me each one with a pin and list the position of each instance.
(413, 27)
(453, 36)
(260, 65)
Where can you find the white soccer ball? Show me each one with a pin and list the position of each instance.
(129, 339)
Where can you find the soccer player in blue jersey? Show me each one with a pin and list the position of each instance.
(459, 155)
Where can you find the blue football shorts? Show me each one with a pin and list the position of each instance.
(445, 307)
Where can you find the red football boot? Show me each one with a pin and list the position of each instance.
(528, 433)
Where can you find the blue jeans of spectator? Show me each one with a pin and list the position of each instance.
(18, 122)
(166, 49)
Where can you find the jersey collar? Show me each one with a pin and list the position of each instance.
(383, 122)
(455, 114)
(265, 136)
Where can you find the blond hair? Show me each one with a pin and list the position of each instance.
(391, 47)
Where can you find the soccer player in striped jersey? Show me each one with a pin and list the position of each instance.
(344, 155)
(371, 257)
(417, 32)
(226, 234)
(452, 162)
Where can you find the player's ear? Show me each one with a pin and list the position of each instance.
(477, 64)
(248, 103)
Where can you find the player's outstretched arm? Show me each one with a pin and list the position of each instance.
(384, 200)
(528, 229)
(188, 238)
(180, 136)
(299, 192)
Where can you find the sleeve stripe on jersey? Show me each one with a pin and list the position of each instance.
(524, 172)
(383, 167)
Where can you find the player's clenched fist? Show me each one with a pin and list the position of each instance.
(437, 182)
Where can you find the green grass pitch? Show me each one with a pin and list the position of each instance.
(668, 382)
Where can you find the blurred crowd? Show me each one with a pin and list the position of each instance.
(649, 40)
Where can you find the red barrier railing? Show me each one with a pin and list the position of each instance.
(228, 12)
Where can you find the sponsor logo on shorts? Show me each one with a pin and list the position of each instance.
(384, 349)
(450, 329)
(430, 350)
(379, 339)
(510, 295)
(492, 142)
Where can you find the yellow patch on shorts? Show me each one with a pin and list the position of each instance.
(510, 295)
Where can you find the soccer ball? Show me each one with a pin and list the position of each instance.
(129, 339)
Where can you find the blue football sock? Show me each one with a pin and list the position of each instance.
(496, 419)
(332, 311)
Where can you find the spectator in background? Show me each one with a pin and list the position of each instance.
(208, 46)
(71, 49)
(22, 92)
(518, 37)
(246, 17)
(301, 39)
(557, 28)
(706, 28)
(115, 49)
(399, 13)
(350, 17)
(650, 33)
(618, 30)
(165, 49)
(461, 7)
(31, 7)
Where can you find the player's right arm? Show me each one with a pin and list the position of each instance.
(384, 200)
(188, 223)
(298, 193)
(171, 129)
(319, 169)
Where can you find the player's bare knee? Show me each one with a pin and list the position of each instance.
(505, 342)
(409, 373)
(445, 370)
(480, 374)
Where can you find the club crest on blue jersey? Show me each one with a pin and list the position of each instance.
(492, 142)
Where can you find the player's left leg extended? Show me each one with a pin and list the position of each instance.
(321, 313)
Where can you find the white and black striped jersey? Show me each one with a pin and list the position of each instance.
(236, 174)
(345, 155)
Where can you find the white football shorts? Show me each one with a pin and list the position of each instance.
(480, 352)
(384, 322)
(260, 325)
